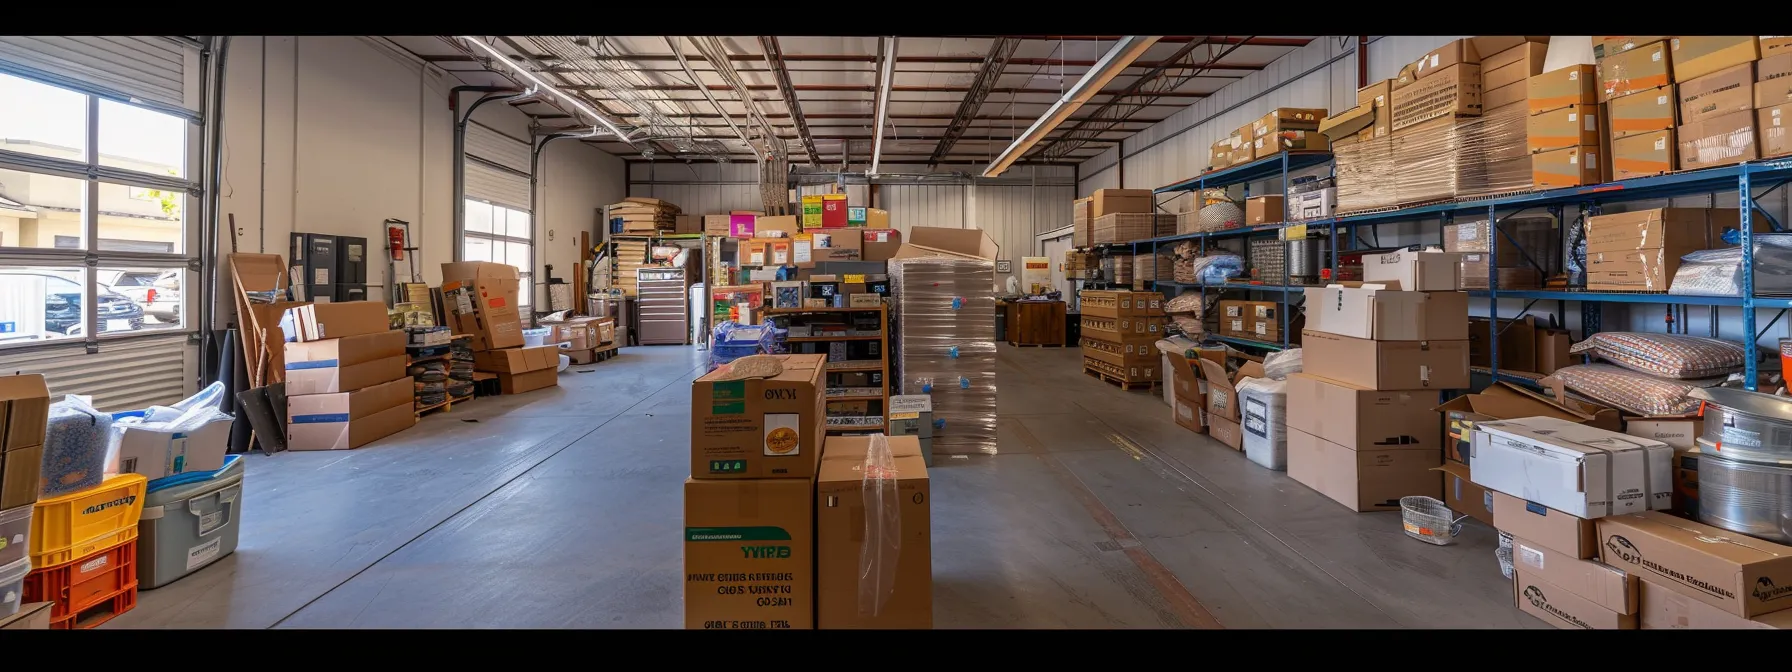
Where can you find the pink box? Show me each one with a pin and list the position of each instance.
(741, 226)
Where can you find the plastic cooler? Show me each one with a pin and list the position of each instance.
(89, 591)
(12, 586)
(15, 534)
(81, 524)
(189, 521)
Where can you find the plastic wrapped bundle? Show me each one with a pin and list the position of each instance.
(1719, 272)
(1626, 390)
(1280, 365)
(76, 447)
(1667, 355)
(1265, 406)
(733, 340)
(945, 323)
(1218, 268)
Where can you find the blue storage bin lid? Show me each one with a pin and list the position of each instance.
(191, 477)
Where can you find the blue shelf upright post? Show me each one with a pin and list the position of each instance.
(1493, 294)
(1286, 261)
(1745, 203)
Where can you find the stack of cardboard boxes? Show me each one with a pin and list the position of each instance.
(481, 300)
(1693, 101)
(775, 511)
(1375, 357)
(24, 416)
(1255, 320)
(1640, 251)
(1565, 129)
(1119, 334)
(1283, 129)
(345, 376)
(1119, 216)
(1528, 252)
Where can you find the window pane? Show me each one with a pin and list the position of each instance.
(479, 216)
(519, 224)
(518, 256)
(38, 304)
(41, 210)
(138, 299)
(42, 119)
(479, 249)
(140, 219)
(133, 138)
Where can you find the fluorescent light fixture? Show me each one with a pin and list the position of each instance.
(537, 81)
(886, 72)
(1124, 52)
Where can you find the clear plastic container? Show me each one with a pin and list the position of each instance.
(536, 337)
(15, 532)
(12, 586)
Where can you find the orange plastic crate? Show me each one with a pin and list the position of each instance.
(94, 615)
(94, 580)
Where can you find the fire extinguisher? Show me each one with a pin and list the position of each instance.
(395, 235)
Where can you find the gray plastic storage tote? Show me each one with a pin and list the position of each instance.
(189, 521)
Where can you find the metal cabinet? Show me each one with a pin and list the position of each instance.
(662, 306)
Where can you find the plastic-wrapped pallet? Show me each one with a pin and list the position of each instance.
(1265, 404)
(945, 330)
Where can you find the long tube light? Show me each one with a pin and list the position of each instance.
(1124, 52)
(886, 72)
(537, 81)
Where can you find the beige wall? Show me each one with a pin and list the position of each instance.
(344, 132)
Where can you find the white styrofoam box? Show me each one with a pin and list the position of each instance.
(1579, 470)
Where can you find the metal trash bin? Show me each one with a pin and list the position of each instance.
(189, 521)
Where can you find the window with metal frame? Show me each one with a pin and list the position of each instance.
(499, 234)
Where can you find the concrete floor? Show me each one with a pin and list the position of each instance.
(561, 509)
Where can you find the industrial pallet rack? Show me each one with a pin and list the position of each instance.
(1744, 178)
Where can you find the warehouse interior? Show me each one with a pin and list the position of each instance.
(895, 332)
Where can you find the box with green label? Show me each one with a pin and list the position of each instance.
(759, 426)
(749, 554)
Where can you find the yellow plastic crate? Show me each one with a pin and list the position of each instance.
(77, 525)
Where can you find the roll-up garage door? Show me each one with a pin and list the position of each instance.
(497, 167)
(137, 358)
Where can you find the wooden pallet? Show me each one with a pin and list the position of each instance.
(595, 355)
(444, 407)
(1036, 345)
(1122, 382)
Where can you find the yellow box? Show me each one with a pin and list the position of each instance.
(77, 525)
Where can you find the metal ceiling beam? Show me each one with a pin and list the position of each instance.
(863, 88)
(1123, 52)
(872, 59)
(774, 58)
(1254, 41)
(987, 75)
(881, 104)
(1180, 69)
(678, 52)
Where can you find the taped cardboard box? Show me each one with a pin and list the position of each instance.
(1463, 496)
(1663, 608)
(1259, 210)
(1582, 471)
(1609, 45)
(1564, 127)
(319, 321)
(348, 420)
(21, 471)
(1287, 119)
(1363, 480)
(1457, 52)
(1380, 95)
(1451, 91)
(1386, 365)
(759, 427)
(1421, 271)
(1562, 87)
(1643, 112)
(749, 554)
(1569, 167)
(1563, 533)
(344, 364)
(521, 369)
(1738, 574)
(1699, 55)
(1724, 92)
(1693, 228)
(24, 410)
(1111, 201)
(1774, 122)
(1362, 419)
(1371, 311)
(481, 301)
(1644, 67)
(1561, 607)
(1513, 66)
(1288, 141)
(896, 590)
(1607, 586)
(1644, 154)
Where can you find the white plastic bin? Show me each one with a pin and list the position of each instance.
(536, 337)
(1264, 403)
(12, 586)
(15, 532)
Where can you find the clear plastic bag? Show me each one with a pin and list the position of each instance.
(1719, 272)
(1669, 355)
(1218, 268)
(881, 549)
(185, 417)
(1280, 365)
(75, 447)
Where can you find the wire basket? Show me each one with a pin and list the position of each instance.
(1429, 520)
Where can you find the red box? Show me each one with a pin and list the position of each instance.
(833, 211)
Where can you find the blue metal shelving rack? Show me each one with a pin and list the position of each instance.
(1744, 178)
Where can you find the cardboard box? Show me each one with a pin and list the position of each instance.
(1362, 310)
(1562, 87)
(1678, 433)
(344, 364)
(1741, 575)
(1723, 92)
(1562, 608)
(319, 321)
(1643, 112)
(1644, 154)
(1110, 201)
(1280, 141)
(1287, 119)
(1563, 127)
(1361, 419)
(1571, 536)
(1442, 58)
(1451, 91)
(842, 513)
(1414, 271)
(1362, 480)
(1770, 68)
(1672, 228)
(1607, 45)
(759, 427)
(24, 410)
(1773, 123)
(1607, 586)
(749, 554)
(1699, 55)
(1552, 350)
(1645, 67)
(1663, 608)
(21, 471)
(1775, 45)
(481, 300)
(1379, 94)
(348, 420)
(1570, 167)
(879, 244)
(1503, 97)
(1347, 124)
(517, 360)
(1718, 141)
(1222, 388)
(1463, 496)
(876, 218)
(159, 454)
(1386, 365)
(1264, 210)
(1219, 155)
(687, 224)
(1513, 66)
(1504, 401)
(1225, 431)
(715, 225)
(1582, 471)
(928, 241)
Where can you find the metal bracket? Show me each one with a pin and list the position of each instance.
(194, 265)
(90, 260)
(92, 345)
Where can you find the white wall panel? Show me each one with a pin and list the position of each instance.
(912, 205)
(1389, 53)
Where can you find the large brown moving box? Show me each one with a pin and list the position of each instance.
(1362, 419)
(1386, 365)
(1736, 573)
(759, 427)
(481, 300)
(347, 420)
(749, 554)
(896, 591)
(1562, 608)
(521, 369)
(1363, 480)
(344, 364)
